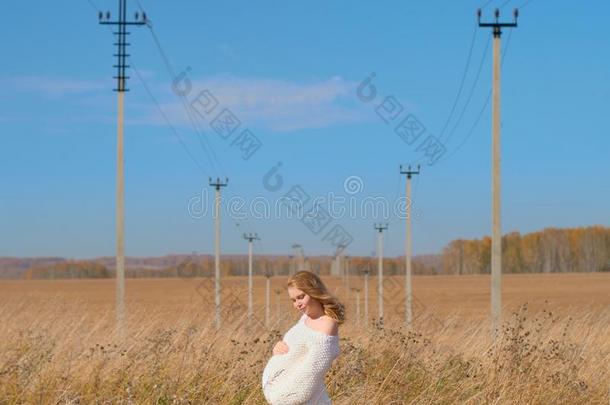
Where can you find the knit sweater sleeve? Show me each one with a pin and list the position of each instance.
(309, 374)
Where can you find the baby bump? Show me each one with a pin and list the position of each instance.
(274, 368)
(279, 369)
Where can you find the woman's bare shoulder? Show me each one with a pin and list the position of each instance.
(327, 325)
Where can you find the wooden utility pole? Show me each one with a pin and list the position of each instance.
(380, 228)
(496, 230)
(408, 246)
(217, 199)
(122, 44)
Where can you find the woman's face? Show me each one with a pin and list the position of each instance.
(300, 300)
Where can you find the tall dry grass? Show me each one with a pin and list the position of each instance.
(59, 351)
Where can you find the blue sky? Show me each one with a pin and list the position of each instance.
(289, 71)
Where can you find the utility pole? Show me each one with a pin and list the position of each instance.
(380, 228)
(250, 238)
(408, 247)
(268, 275)
(277, 305)
(336, 265)
(217, 186)
(346, 274)
(496, 231)
(340, 265)
(299, 257)
(121, 66)
(306, 263)
(357, 291)
(367, 271)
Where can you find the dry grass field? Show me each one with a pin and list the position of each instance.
(59, 343)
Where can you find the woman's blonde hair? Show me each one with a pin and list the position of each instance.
(313, 286)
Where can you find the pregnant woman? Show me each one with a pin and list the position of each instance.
(295, 373)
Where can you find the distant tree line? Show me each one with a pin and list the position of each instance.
(550, 250)
(68, 269)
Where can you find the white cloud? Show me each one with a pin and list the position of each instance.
(271, 104)
(278, 105)
(54, 86)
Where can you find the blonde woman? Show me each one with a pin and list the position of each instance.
(295, 373)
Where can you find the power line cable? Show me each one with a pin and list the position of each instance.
(208, 149)
(200, 133)
(166, 119)
(422, 159)
(522, 6)
(476, 122)
(158, 106)
(470, 93)
(486, 4)
(461, 86)
(212, 158)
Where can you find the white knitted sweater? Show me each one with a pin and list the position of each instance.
(297, 377)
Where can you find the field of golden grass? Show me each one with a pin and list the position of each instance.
(59, 343)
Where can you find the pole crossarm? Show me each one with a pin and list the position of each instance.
(497, 25)
(251, 237)
(340, 249)
(122, 44)
(217, 184)
(408, 171)
(380, 227)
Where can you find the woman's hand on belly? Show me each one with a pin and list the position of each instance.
(280, 348)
